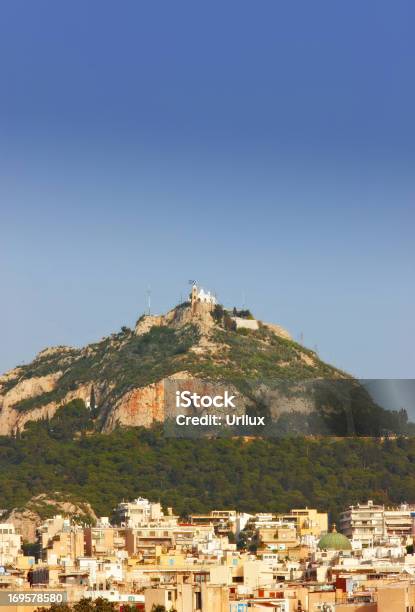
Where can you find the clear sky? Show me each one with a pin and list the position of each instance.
(265, 149)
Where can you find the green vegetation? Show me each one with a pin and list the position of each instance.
(259, 355)
(223, 318)
(122, 361)
(199, 475)
(86, 605)
(243, 314)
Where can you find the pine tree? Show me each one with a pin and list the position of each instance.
(92, 403)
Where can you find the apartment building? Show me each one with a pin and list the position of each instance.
(399, 521)
(145, 539)
(104, 540)
(10, 544)
(282, 537)
(224, 521)
(138, 512)
(364, 523)
(370, 524)
(188, 597)
(65, 546)
(308, 521)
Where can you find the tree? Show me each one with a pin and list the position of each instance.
(84, 605)
(103, 605)
(98, 605)
(92, 402)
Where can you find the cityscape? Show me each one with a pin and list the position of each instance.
(147, 558)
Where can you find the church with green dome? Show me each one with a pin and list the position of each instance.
(334, 541)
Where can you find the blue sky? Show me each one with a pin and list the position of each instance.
(264, 149)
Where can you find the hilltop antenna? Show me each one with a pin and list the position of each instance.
(148, 295)
(243, 300)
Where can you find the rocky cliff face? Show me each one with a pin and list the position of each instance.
(122, 376)
(13, 420)
(23, 389)
(138, 408)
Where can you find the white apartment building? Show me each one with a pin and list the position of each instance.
(10, 544)
(368, 524)
(364, 523)
(138, 512)
(399, 521)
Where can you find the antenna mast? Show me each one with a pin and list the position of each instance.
(148, 294)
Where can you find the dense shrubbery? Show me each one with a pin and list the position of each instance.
(198, 475)
(122, 361)
(243, 314)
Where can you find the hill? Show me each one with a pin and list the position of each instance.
(43, 506)
(122, 377)
(67, 398)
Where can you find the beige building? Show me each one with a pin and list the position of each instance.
(59, 540)
(64, 546)
(191, 597)
(306, 521)
(280, 538)
(144, 540)
(391, 596)
(50, 527)
(309, 521)
(222, 520)
(104, 540)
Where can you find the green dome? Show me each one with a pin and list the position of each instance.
(334, 541)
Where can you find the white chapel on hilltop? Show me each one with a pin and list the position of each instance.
(199, 295)
(206, 297)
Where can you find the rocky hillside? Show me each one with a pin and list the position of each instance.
(40, 507)
(121, 377)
